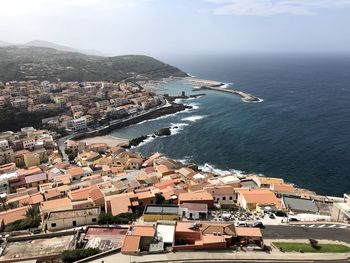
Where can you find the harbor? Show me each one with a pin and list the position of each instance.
(246, 97)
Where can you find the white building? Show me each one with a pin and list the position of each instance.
(77, 124)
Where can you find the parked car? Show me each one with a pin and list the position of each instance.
(258, 224)
(281, 214)
(241, 223)
(293, 219)
(272, 216)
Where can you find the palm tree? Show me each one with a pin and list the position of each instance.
(33, 216)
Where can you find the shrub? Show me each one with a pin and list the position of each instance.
(69, 256)
(314, 243)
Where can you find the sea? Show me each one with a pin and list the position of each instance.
(299, 132)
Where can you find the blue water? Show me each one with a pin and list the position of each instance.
(300, 132)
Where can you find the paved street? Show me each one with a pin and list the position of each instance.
(300, 232)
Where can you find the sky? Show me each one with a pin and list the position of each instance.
(181, 27)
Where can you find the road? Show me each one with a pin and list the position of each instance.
(299, 232)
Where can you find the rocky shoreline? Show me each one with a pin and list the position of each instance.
(173, 108)
(137, 141)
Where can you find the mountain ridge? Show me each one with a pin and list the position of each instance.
(28, 62)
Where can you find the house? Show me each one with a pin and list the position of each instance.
(78, 173)
(193, 211)
(12, 215)
(138, 239)
(249, 235)
(58, 220)
(195, 236)
(255, 199)
(223, 194)
(266, 182)
(119, 204)
(186, 172)
(56, 205)
(154, 213)
(201, 197)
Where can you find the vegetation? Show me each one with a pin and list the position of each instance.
(23, 63)
(13, 120)
(71, 154)
(159, 198)
(69, 256)
(124, 218)
(308, 247)
(32, 220)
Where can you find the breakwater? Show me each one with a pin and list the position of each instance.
(246, 97)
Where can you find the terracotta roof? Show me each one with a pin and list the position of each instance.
(131, 244)
(65, 179)
(195, 207)
(195, 196)
(12, 215)
(54, 204)
(51, 193)
(35, 178)
(119, 203)
(248, 232)
(220, 190)
(285, 188)
(30, 171)
(80, 194)
(96, 193)
(150, 160)
(184, 227)
(75, 171)
(226, 229)
(143, 230)
(145, 195)
(259, 196)
(36, 198)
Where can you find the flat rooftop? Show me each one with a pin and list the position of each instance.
(162, 209)
(75, 213)
(298, 204)
(36, 247)
(105, 238)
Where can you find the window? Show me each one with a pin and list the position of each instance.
(93, 220)
(224, 198)
(151, 201)
(53, 224)
(231, 197)
(74, 223)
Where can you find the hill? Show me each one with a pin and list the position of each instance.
(28, 62)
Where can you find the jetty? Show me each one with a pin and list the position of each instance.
(246, 97)
(204, 84)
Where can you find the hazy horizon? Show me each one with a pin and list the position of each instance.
(171, 28)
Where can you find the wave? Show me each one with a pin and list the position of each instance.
(194, 118)
(211, 169)
(175, 128)
(227, 85)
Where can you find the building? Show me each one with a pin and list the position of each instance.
(138, 239)
(201, 197)
(153, 213)
(256, 199)
(60, 204)
(193, 211)
(223, 194)
(76, 125)
(58, 220)
(12, 215)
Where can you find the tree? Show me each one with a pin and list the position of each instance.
(159, 198)
(33, 216)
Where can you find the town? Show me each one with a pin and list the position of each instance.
(74, 106)
(113, 203)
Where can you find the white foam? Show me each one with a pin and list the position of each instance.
(211, 169)
(193, 118)
(149, 139)
(175, 128)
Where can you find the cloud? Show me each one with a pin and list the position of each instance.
(274, 7)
